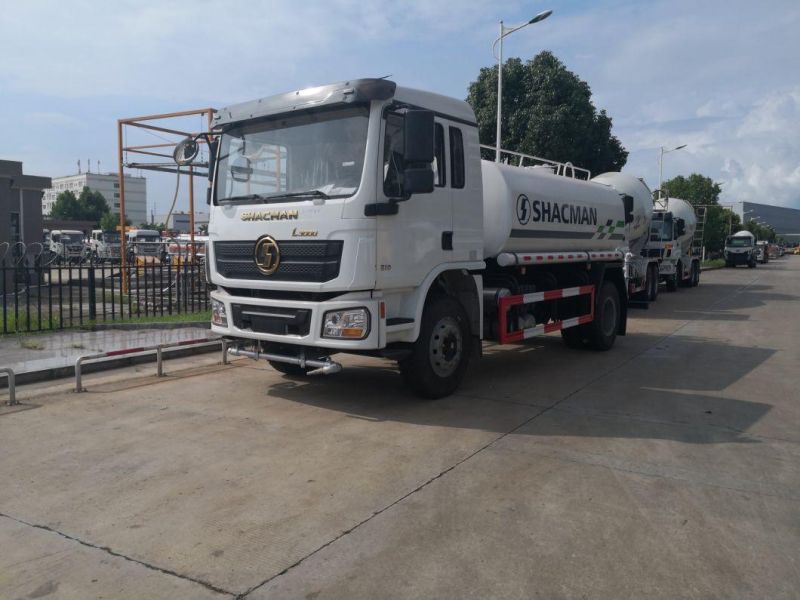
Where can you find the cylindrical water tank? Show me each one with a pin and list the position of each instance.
(637, 231)
(534, 210)
(681, 209)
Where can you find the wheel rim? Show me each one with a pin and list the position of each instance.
(445, 347)
(608, 321)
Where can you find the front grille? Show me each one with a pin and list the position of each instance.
(315, 261)
(276, 320)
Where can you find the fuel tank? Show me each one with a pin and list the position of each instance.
(531, 209)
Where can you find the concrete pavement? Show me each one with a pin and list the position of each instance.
(666, 468)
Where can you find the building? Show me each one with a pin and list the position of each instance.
(785, 221)
(20, 216)
(179, 221)
(108, 185)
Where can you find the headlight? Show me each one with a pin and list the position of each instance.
(351, 323)
(218, 314)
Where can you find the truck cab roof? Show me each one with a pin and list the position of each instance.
(343, 93)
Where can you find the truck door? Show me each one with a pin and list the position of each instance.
(418, 238)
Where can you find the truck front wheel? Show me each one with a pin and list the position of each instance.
(439, 357)
(289, 369)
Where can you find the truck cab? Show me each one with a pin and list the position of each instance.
(740, 249)
(104, 245)
(66, 245)
(144, 244)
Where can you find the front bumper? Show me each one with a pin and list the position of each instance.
(738, 258)
(310, 332)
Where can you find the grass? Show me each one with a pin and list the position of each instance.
(717, 262)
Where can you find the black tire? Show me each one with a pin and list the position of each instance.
(289, 369)
(603, 330)
(672, 283)
(695, 274)
(440, 356)
(652, 283)
(751, 264)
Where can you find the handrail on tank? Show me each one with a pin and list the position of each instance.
(559, 168)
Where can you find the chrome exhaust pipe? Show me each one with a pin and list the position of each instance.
(320, 367)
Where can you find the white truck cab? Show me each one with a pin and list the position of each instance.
(66, 245)
(104, 245)
(740, 249)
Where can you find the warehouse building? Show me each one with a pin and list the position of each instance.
(785, 221)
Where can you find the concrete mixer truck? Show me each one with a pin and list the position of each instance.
(673, 233)
(358, 217)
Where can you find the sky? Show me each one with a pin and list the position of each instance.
(721, 76)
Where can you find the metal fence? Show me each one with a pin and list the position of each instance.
(37, 294)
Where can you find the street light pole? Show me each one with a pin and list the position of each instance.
(661, 164)
(503, 33)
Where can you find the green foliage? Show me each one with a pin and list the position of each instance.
(89, 206)
(547, 112)
(696, 189)
(66, 207)
(109, 222)
(761, 232)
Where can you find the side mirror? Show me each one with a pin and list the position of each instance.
(680, 227)
(418, 136)
(627, 202)
(418, 180)
(185, 151)
(241, 170)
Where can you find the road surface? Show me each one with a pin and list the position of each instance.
(668, 467)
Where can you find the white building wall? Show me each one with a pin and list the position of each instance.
(108, 185)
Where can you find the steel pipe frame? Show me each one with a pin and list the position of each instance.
(158, 349)
(12, 390)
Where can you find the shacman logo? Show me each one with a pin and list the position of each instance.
(267, 255)
(269, 215)
(523, 209)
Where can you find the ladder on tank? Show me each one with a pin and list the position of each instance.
(699, 232)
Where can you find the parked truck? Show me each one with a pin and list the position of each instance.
(359, 217)
(740, 249)
(673, 234)
(66, 246)
(144, 245)
(104, 245)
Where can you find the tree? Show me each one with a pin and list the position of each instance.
(547, 112)
(93, 205)
(66, 207)
(109, 222)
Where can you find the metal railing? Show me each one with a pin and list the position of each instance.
(37, 294)
(158, 349)
(12, 390)
(565, 169)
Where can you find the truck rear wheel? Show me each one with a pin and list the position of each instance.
(439, 358)
(672, 280)
(603, 330)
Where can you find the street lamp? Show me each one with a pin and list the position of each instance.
(505, 31)
(661, 163)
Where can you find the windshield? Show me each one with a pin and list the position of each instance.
(142, 237)
(70, 238)
(739, 242)
(318, 154)
(111, 238)
(661, 231)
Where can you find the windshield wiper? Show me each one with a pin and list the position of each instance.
(306, 194)
(270, 197)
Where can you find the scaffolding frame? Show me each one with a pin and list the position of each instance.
(156, 150)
